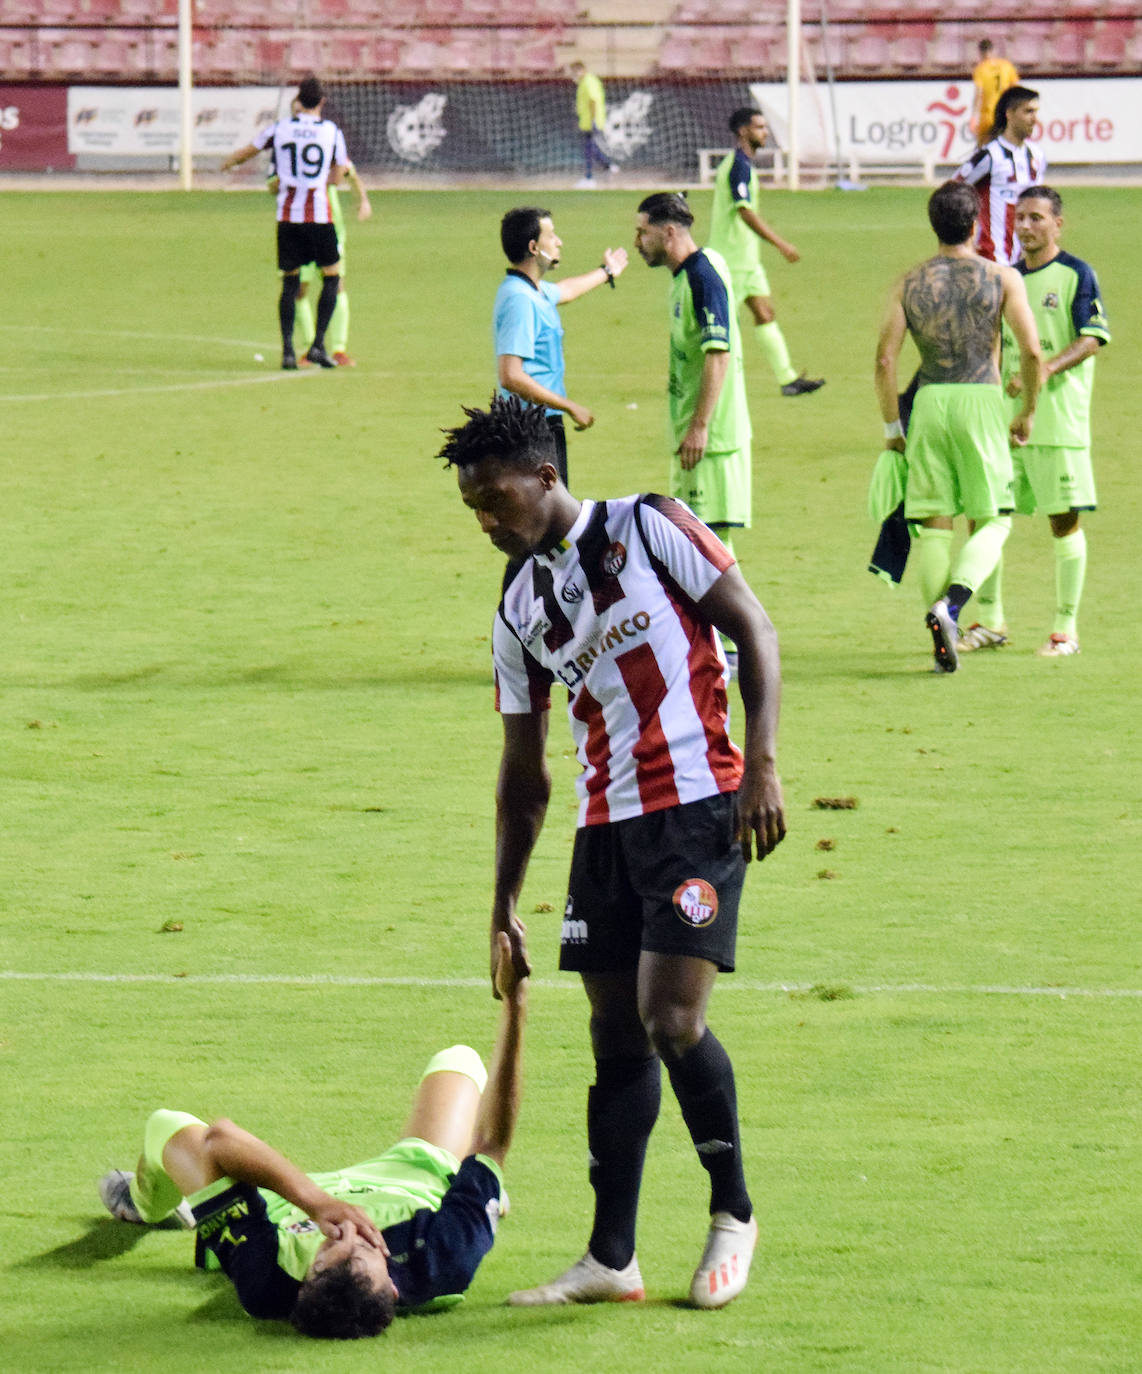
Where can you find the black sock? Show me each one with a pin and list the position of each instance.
(703, 1083)
(957, 596)
(287, 307)
(622, 1108)
(326, 304)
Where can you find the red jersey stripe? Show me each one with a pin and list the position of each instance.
(654, 767)
(598, 749)
(287, 205)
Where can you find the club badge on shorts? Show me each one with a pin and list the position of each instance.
(696, 903)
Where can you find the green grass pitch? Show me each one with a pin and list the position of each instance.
(248, 751)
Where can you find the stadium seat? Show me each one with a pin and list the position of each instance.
(869, 53)
(1108, 48)
(1065, 49)
(910, 52)
(674, 55)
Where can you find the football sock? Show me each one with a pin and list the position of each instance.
(287, 306)
(773, 345)
(1070, 573)
(326, 304)
(932, 559)
(978, 557)
(957, 596)
(303, 322)
(339, 325)
(989, 599)
(703, 1083)
(622, 1107)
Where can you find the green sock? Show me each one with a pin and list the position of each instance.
(932, 558)
(304, 323)
(989, 599)
(338, 335)
(977, 559)
(772, 342)
(153, 1191)
(1070, 573)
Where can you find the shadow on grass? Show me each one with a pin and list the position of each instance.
(105, 1239)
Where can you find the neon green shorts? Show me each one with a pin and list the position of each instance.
(959, 458)
(717, 489)
(749, 280)
(1050, 480)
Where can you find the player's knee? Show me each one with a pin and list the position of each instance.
(673, 1028)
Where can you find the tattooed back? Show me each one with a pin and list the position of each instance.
(954, 307)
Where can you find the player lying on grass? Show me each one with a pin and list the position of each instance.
(337, 1253)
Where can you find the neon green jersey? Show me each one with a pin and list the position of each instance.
(703, 319)
(736, 183)
(1066, 304)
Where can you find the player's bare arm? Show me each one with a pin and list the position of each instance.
(715, 366)
(886, 373)
(513, 378)
(522, 792)
(236, 159)
(732, 607)
(198, 1155)
(952, 305)
(614, 265)
(1021, 322)
(499, 1104)
(764, 231)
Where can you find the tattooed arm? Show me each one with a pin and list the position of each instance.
(888, 345)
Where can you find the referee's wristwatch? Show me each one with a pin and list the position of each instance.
(609, 275)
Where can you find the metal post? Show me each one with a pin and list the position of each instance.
(186, 115)
(793, 76)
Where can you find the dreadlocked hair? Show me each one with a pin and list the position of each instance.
(510, 430)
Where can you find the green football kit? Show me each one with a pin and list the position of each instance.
(736, 183)
(703, 320)
(1053, 473)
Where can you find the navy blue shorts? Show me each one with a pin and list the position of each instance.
(668, 883)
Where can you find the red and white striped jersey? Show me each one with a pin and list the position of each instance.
(305, 149)
(611, 612)
(999, 173)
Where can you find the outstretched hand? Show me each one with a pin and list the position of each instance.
(514, 939)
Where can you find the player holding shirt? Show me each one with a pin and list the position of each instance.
(337, 1252)
(1006, 165)
(736, 231)
(1053, 475)
(619, 601)
(308, 155)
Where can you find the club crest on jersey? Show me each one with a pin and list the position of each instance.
(615, 559)
(1051, 300)
(530, 632)
(572, 593)
(696, 903)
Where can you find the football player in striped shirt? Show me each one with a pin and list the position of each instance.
(308, 155)
(621, 602)
(1006, 165)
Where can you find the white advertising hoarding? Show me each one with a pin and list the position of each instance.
(1081, 121)
(144, 121)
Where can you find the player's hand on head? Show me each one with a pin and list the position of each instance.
(340, 1220)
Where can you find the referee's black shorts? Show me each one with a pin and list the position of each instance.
(668, 882)
(299, 244)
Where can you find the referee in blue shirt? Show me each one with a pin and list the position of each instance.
(526, 326)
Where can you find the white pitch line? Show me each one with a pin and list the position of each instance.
(728, 984)
(155, 390)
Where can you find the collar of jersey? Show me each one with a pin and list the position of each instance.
(515, 272)
(567, 543)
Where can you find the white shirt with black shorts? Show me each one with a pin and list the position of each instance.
(611, 613)
(304, 151)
